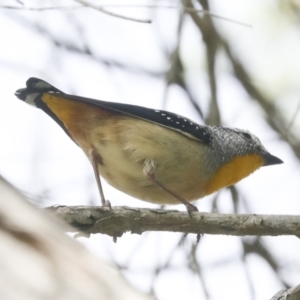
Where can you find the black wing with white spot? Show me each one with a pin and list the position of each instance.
(161, 117)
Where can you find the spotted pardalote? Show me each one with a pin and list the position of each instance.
(151, 154)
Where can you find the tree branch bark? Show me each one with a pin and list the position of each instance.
(39, 262)
(288, 294)
(115, 222)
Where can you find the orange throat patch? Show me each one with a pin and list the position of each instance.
(232, 172)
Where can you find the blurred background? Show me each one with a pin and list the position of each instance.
(238, 66)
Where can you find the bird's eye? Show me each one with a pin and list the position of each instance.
(246, 135)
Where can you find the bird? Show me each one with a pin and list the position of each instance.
(151, 154)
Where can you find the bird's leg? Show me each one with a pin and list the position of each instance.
(96, 160)
(149, 172)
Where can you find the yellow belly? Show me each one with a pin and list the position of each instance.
(125, 151)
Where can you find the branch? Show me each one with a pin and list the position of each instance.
(115, 222)
(288, 294)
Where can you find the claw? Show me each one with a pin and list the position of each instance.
(190, 208)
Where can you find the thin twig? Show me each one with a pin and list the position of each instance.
(182, 8)
(40, 8)
(101, 9)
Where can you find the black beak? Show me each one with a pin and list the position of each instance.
(21, 94)
(271, 160)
